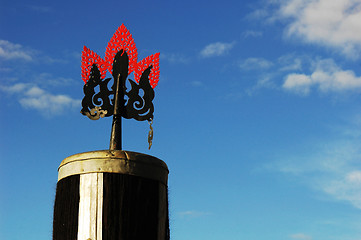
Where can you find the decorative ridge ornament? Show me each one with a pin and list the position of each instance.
(121, 59)
(121, 39)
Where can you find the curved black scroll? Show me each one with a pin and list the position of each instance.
(96, 105)
(140, 107)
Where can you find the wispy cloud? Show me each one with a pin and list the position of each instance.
(268, 71)
(174, 58)
(259, 13)
(255, 63)
(335, 24)
(5, 69)
(216, 49)
(300, 236)
(326, 76)
(51, 80)
(251, 33)
(264, 81)
(13, 51)
(331, 167)
(348, 188)
(14, 89)
(298, 83)
(301, 75)
(290, 62)
(32, 97)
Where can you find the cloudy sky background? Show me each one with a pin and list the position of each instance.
(257, 112)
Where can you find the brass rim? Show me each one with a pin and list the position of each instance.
(115, 161)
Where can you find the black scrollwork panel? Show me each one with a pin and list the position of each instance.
(140, 106)
(96, 105)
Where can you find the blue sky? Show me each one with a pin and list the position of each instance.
(257, 112)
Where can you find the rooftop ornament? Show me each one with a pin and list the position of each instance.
(121, 59)
(114, 194)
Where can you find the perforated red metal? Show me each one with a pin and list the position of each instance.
(122, 39)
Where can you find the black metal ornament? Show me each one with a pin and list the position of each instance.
(96, 105)
(120, 102)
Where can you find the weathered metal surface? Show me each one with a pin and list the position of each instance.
(117, 161)
(90, 206)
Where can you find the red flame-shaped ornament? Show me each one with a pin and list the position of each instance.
(122, 39)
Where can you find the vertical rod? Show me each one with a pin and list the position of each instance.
(116, 132)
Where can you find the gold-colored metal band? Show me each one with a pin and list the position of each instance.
(115, 161)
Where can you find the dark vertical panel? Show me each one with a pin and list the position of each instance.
(167, 229)
(66, 208)
(131, 208)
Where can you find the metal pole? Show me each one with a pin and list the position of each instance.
(116, 133)
(120, 74)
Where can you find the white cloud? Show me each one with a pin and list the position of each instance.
(12, 51)
(347, 188)
(258, 14)
(300, 236)
(333, 23)
(299, 83)
(216, 49)
(332, 170)
(331, 167)
(255, 63)
(326, 76)
(174, 58)
(33, 97)
(197, 83)
(49, 79)
(354, 177)
(290, 62)
(267, 71)
(17, 88)
(251, 33)
(264, 81)
(235, 96)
